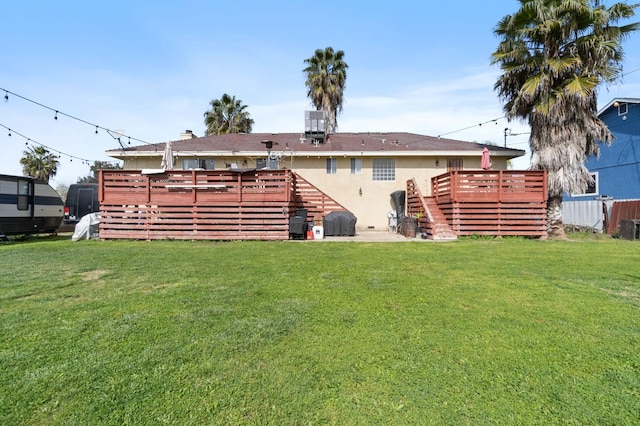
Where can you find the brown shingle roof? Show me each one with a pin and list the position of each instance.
(366, 142)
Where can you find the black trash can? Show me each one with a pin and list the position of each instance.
(298, 228)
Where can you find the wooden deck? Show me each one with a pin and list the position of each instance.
(498, 203)
(203, 204)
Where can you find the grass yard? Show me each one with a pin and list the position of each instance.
(484, 331)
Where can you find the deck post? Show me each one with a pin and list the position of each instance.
(101, 186)
(453, 185)
(147, 181)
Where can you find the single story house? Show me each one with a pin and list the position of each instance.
(358, 170)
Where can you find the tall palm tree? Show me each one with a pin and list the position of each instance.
(554, 54)
(39, 163)
(326, 79)
(227, 115)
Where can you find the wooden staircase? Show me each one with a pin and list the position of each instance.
(437, 226)
(432, 220)
(307, 196)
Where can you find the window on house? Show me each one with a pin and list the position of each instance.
(268, 163)
(356, 166)
(202, 163)
(592, 187)
(454, 164)
(23, 194)
(384, 169)
(623, 109)
(332, 166)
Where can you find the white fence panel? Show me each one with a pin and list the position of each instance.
(583, 213)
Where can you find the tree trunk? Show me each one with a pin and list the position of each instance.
(330, 120)
(555, 226)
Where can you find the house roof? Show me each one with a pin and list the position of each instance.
(366, 143)
(619, 101)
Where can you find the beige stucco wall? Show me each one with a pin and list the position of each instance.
(372, 206)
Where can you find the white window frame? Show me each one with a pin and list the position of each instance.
(270, 163)
(596, 187)
(332, 166)
(383, 169)
(200, 163)
(356, 166)
(623, 109)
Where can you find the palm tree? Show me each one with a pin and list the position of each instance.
(39, 163)
(227, 115)
(326, 79)
(554, 54)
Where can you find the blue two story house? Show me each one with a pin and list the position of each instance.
(616, 171)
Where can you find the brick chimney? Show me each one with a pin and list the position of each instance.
(187, 134)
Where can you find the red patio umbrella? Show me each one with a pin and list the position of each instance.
(485, 163)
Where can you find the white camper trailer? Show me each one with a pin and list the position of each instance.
(28, 206)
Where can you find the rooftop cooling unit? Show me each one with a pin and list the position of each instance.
(314, 125)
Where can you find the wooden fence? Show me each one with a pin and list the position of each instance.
(500, 203)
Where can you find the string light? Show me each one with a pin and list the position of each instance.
(495, 120)
(53, 150)
(6, 97)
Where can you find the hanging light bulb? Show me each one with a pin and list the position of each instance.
(9, 132)
(6, 96)
(96, 130)
(55, 117)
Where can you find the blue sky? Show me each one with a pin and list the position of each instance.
(150, 69)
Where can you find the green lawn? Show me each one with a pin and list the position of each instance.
(479, 331)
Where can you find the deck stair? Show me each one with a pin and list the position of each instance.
(437, 226)
(307, 196)
(430, 217)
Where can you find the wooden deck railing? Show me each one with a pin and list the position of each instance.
(490, 186)
(194, 186)
(309, 197)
